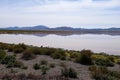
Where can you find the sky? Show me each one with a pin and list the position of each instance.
(56, 13)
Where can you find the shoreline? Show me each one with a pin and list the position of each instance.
(62, 32)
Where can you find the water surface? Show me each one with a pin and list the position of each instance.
(97, 43)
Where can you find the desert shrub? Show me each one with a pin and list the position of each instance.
(98, 73)
(2, 55)
(59, 54)
(50, 51)
(10, 64)
(35, 50)
(52, 65)
(43, 62)
(25, 67)
(114, 74)
(10, 48)
(47, 51)
(117, 61)
(18, 64)
(13, 71)
(93, 68)
(7, 77)
(63, 65)
(98, 56)
(65, 72)
(69, 73)
(55, 55)
(28, 55)
(111, 58)
(104, 62)
(74, 54)
(18, 50)
(86, 52)
(22, 45)
(63, 58)
(36, 66)
(32, 76)
(3, 46)
(72, 73)
(44, 69)
(22, 76)
(84, 59)
(102, 73)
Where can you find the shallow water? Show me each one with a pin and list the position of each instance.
(96, 43)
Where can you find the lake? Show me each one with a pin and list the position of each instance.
(95, 42)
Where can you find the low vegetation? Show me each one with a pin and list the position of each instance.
(102, 73)
(99, 64)
(85, 57)
(69, 73)
(2, 54)
(28, 55)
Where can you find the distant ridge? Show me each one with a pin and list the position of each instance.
(63, 28)
(39, 27)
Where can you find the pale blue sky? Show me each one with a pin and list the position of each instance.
(55, 13)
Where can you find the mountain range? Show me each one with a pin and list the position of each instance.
(63, 28)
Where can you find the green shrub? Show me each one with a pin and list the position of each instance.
(9, 59)
(44, 69)
(2, 55)
(104, 62)
(36, 66)
(28, 55)
(69, 73)
(114, 74)
(10, 64)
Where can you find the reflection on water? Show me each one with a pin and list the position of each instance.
(97, 43)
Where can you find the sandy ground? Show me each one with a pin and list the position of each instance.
(82, 70)
(83, 73)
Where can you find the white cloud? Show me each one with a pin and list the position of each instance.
(61, 12)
